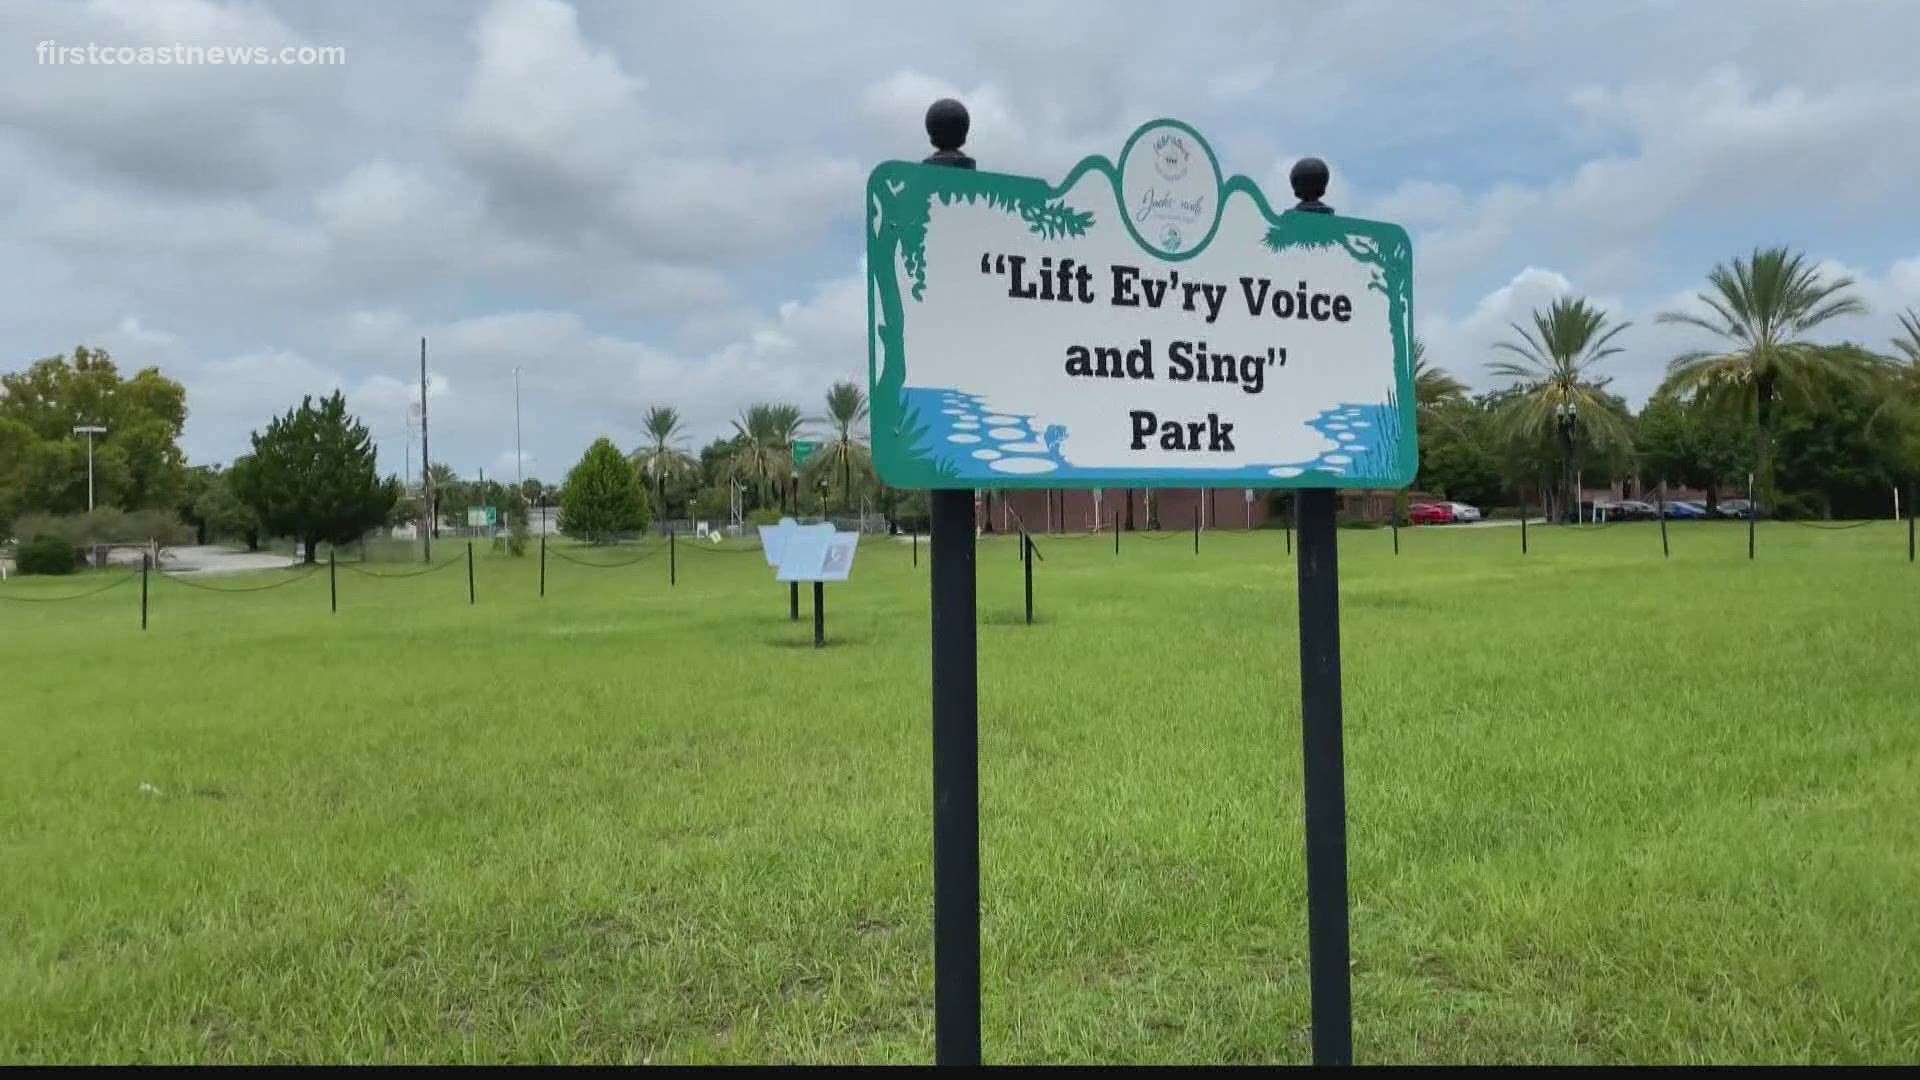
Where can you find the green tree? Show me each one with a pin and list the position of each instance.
(603, 496)
(846, 453)
(1763, 306)
(221, 510)
(313, 476)
(1459, 455)
(664, 456)
(1691, 444)
(764, 457)
(137, 464)
(1560, 394)
(1832, 461)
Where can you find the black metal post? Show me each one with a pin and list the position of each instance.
(1116, 534)
(1325, 784)
(819, 615)
(1293, 519)
(333, 583)
(1523, 527)
(793, 601)
(916, 547)
(673, 565)
(1753, 515)
(543, 557)
(1665, 553)
(1026, 552)
(1910, 510)
(1325, 779)
(469, 572)
(956, 721)
(1396, 531)
(145, 558)
(1196, 528)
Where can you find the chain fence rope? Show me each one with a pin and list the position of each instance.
(1831, 526)
(351, 568)
(183, 580)
(564, 557)
(75, 596)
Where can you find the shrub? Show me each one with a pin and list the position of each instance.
(47, 554)
(108, 525)
(765, 516)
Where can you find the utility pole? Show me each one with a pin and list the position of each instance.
(426, 462)
(519, 470)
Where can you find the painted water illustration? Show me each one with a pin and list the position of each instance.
(966, 438)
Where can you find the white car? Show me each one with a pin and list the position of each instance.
(1464, 513)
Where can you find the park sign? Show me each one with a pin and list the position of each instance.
(481, 517)
(802, 450)
(1145, 324)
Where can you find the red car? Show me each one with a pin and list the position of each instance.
(1430, 514)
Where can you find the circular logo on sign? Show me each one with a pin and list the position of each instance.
(1170, 189)
(1171, 158)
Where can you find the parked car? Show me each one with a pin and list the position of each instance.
(1464, 512)
(1685, 511)
(1736, 508)
(1430, 514)
(1632, 510)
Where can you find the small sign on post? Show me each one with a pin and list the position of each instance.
(1146, 322)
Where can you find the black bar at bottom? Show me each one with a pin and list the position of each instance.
(819, 615)
(793, 601)
(143, 590)
(956, 784)
(1325, 793)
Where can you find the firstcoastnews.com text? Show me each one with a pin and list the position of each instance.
(52, 53)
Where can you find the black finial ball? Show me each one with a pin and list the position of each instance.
(1309, 179)
(947, 124)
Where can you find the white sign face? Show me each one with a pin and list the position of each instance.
(1146, 324)
(773, 540)
(817, 553)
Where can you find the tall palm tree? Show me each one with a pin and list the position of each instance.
(1557, 383)
(1431, 383)
(1762, 306)
(768, 431)
(846, 449)
(664, 455)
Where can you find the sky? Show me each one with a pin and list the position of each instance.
(642, 204)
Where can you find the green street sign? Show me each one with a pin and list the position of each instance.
(482, 517)
(802, 450)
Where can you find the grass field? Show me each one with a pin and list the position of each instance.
(1604, 807)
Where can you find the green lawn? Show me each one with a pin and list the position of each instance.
(1603, 807)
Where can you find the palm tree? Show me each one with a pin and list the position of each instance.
(846, 450)
(1431, 383)
(1762, 305)
(663, 456)
(768, 431)
(1908, 346)
(1555, 377)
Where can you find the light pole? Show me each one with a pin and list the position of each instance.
(1569, 415)
(89, 430)
(519, 473)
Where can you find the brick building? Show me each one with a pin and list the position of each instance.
(1168, 509)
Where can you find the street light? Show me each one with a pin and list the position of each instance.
(519, 474)
(1569, 415)
(89, 430)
